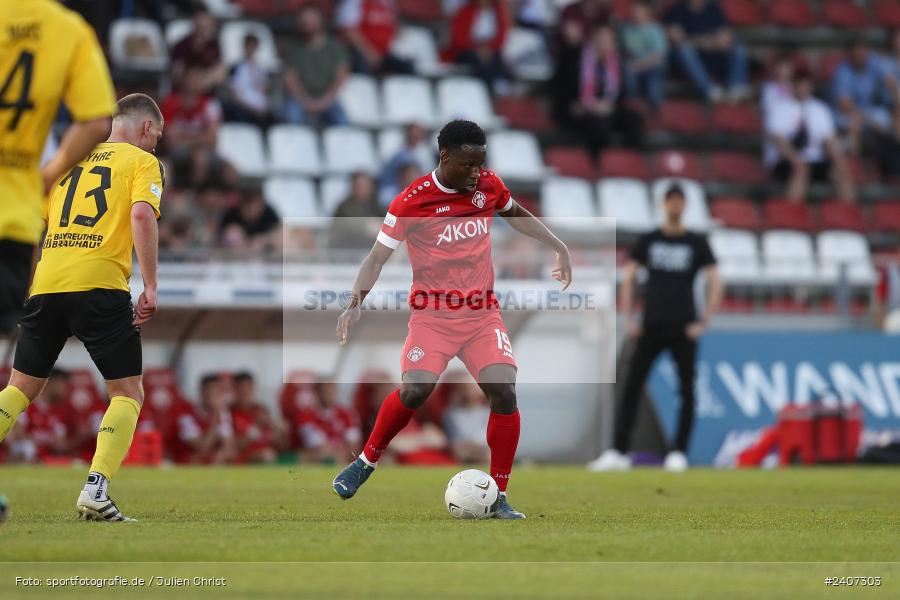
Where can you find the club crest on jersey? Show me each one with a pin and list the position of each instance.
(478, 199)
(415, 354)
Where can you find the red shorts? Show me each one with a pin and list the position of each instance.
(478, 341)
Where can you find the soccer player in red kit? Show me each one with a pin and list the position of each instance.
(445, 218)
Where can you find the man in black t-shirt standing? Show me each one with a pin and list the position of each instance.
(673, 257)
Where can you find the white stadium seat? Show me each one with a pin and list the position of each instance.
(525, 51)
(417, 44)
(294, 199)
(788, 257)
(407, 99)
(348, 149)
(627, 201)
(696, 210)
(242, 146)
(359, 99)
(737, 255)
(848, 248)
(223, 9)
(231, 43)
(294, 149)
(177, 30)
(515, 155)
(466, 98)
(124, 37)
(334, 190)
(390, 140)
(566, 201)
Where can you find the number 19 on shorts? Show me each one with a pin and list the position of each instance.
(503, 342)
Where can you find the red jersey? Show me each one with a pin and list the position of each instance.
(448, 236)
(202, 115)
(317, 425)
(175, 419)
(375, 20)
(46, 424)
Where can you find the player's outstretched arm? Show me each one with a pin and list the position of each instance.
(145, 231)
(79, 139)
(368, 274)
(524, 222)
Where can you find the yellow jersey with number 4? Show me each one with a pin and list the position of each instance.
(48, 53)
(89, 243)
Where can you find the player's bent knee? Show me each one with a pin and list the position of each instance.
(130, 387)
(413, 395)
(502, 397)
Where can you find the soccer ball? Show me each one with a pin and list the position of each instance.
(4, 508)
(472, 494)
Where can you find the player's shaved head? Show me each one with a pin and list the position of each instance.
(139, 106)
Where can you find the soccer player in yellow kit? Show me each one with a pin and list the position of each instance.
(105, 206)
(48, 54)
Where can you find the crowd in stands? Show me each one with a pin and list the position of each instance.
(230, 424)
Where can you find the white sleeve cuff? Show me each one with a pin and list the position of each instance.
(508, 206)
(388, 240)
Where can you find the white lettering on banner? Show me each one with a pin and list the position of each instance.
(461, 231)
(809, 385)
(754, 384)
(866, 391)
(736, 441)
(890, 373)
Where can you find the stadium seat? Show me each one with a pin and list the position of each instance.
(348, 149)
(177, 30)
(743, 13)
(417, 45)
(696, 212)
(407, 99)
(359, 99)
(294, 199)
(567, 201)
(682, 116)
(837, 248)
(294, 149)
(231, 43)
(571, 162)
(887, 13)
(841, 215)
(736, 213)
(844, 13)
(138, 45)
(785, 214)
(161, 381)
(333, 191)
(420, 10)
(827, 65)
(525, 51)
(675, 163)
(737, 254)
(516, 155)
(741, 119)
(623, 163)
(223, 9)
(621, 9)
(523, 113)
(788, 257)
(627, 201)
(736, 167)
(242, 146)
(886, 216)
(465, 98)
(791, 13)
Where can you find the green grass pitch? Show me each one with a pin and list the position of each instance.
(280, 532)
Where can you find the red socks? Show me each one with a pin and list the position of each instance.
(392, 417)
(502, 438)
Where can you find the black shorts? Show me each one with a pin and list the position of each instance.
(819, 172)
(15, 271)
(101, 319)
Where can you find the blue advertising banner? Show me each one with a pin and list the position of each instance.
(743, 379)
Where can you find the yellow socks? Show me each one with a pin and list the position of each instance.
(12, 403)
(114, 437)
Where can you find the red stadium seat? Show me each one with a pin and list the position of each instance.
(887, 13)
(785, 214)
(571, 162)
(741, 119)
(736, 213)
(523, 113)
(841, 215)
(161, 381)
(844, 13)
(621, 9)
(828, 64)
(682, 116)
(675, 163)
(623, 163)
(886, 216)
(421, 10)
(743, 13)
(791, 13)
(736, 167)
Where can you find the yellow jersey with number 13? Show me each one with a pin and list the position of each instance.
(89, 243)
(48, 53)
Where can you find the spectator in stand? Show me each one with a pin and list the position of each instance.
(404, 174)
(861, 93)
(167, 412)
(192, 120)
(580, 18)
(329, 432)
(465, 420)
(415, 151)
(645, 48)
(477, 34)
(530, 13)
(589, 93)
(200, 50)
(316, 68)
(369, 26)
(706, 49)
(248, 99)
(802, 144)
(48, 428)
(779, 86)
(358, 218)
(217, 444)
(258, 436)
(251, 225)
